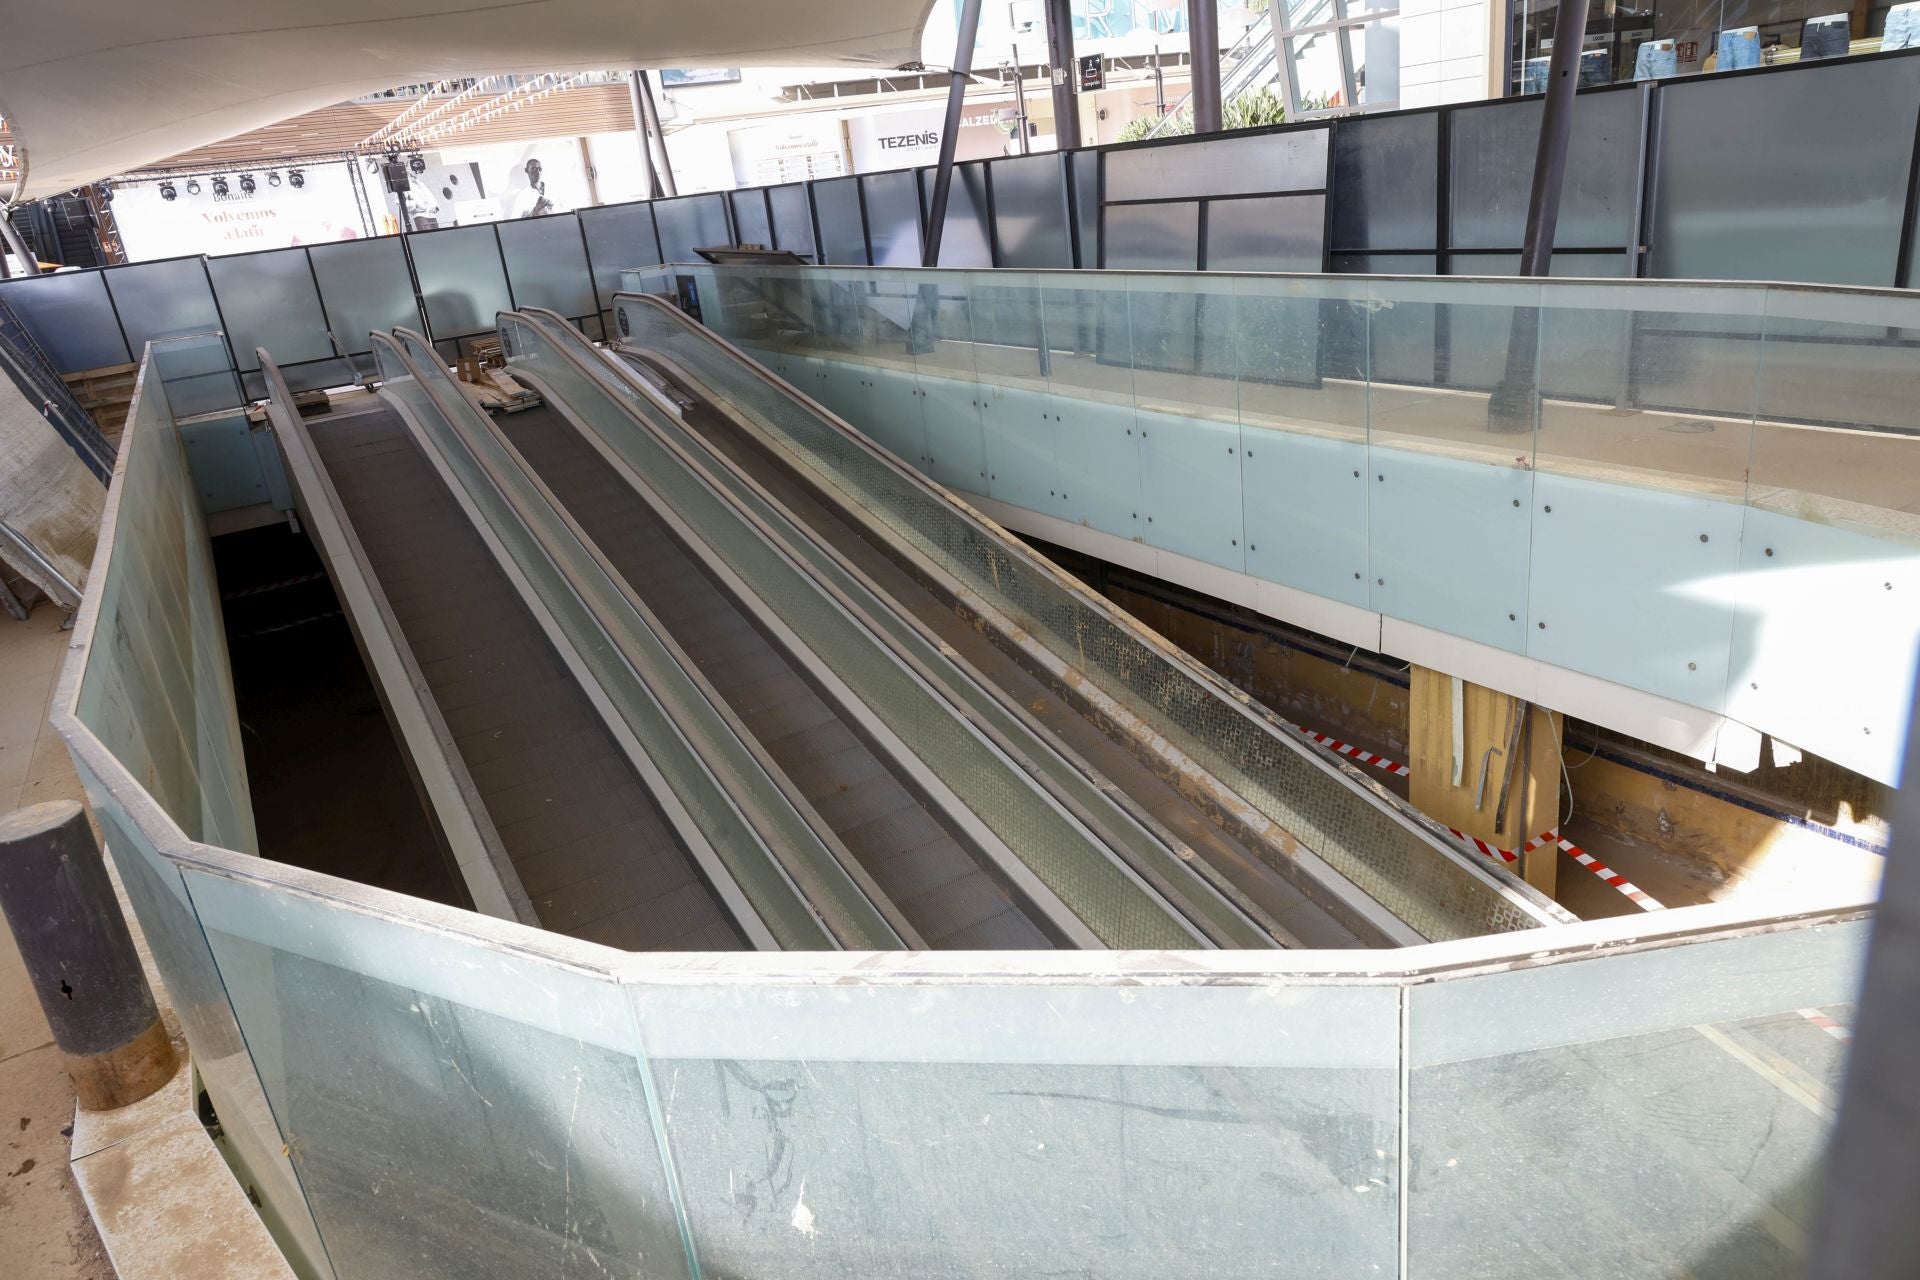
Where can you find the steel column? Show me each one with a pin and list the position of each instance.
(1511, 407)
(662, 172)
(1066, 109)
(1556, 126)
(950, 133)
(1203, 49)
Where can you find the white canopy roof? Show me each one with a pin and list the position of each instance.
(97, 87)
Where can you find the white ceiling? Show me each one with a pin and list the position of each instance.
(94, 89)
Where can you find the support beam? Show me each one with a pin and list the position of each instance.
(663, 168)
(1066, 111)
(1487, 764)
(79, 956)
(642, 133)
(950, 133)
(1203, 46)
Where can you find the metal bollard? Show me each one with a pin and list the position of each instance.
(79, 956)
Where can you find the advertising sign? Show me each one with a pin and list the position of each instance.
(910, 137)
(274, 215)
(807, 147)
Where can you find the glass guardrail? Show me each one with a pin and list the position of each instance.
(1638, 482)
(412, 1088)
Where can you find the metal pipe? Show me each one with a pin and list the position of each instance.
(60, 903)
(664, 170)
(1203, 48)
(950, 133)
(642, 133)
(1066, 111)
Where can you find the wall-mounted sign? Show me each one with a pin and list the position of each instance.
(794, 150)
(274, 215)
(1093, 73)
(909, 138)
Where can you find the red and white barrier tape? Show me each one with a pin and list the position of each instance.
(1826, 1024)
(1638, 896)
(1635, 894)
(1364, 757)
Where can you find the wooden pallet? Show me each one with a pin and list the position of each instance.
(106, 394)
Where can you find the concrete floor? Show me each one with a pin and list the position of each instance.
(44, 1227)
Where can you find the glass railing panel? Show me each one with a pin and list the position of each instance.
(952, 1129)
(198, 996)
(1660, 1112)
(1451, 460)
(1187, 411)
(1832, 515)
(455, 1107)
(1089, 373)
(1302, 351)
(1645, 428)
(197, 372)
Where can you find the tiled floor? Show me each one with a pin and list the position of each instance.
(44, 1228)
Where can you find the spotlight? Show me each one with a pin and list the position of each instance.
(247, 184)
(167, 192)
(417, 162)
(273, 178)
(296, 179)
(193, 186)
(220, 186)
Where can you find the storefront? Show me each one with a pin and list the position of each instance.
(1657, 39)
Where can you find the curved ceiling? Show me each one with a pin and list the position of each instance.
(94, 89)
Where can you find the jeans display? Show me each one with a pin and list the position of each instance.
(1903, 28)
(1739, 49)
(1655, 60)
(1825, 37)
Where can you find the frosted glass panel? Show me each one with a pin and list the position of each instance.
(1030, 212)
(619, 236)
(1280, 233)
(1292, 161)
(792, 219)
(1687, 1079)
(547, 264)
(1795, 176)
(71, 318)
(750, 217)
(843, 236)
(1153, 237)
(269, 301)
(1384, 182)
(163, 299)
(1493, 150)
(967, 1131)
(365, 285)
(689, 223)
(461, 279)
(456, 1112)
(893, 217)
